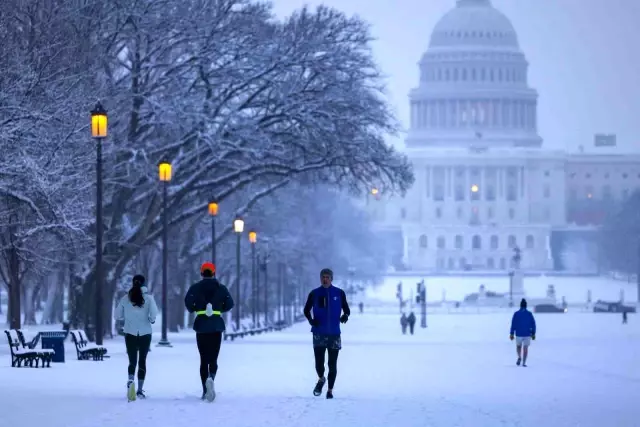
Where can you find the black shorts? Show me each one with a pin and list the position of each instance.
(332, 342)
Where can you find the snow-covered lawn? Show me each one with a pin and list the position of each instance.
(460, 371)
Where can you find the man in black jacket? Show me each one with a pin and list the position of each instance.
(208, 299)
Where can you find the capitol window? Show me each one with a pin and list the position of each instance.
(547, 191)
(490, 264)
(512, 213)
(459, 242)
(438, 213)
(494, 242)
(476, 242)
(438, 192)
(491, 192)
(441, 242)
(512, 241)
(423, 241)
(529, 242)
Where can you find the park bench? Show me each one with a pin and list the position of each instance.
(44, 354)
(19, 355)
(86, 349)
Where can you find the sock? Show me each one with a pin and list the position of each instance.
(130, 379)
(140, 383)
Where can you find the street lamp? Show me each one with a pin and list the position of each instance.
(99, 122)
(213, 211)
(253, 238)
(164, 172)
(238, 227)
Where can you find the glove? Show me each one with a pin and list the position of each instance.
(511, 337)
(314, 322)
(533, 336)
(344, 318)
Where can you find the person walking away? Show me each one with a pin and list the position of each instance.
(523, 325)
(624, 316)
(330, 308)
(404, 321)
(138, 310)
(361, 307)
(412, 322)
(208, 299)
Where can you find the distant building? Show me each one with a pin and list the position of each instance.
(484, 183)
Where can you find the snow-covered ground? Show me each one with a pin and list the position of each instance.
(574, 289)
(459, 371)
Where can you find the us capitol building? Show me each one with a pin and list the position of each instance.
(484, 183)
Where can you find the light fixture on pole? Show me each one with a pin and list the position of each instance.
(213, 212)
(164, 173)
(253, 238)
(99, 122)
(238, 228)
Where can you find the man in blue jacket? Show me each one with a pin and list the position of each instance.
(523, 325)
(330, 308)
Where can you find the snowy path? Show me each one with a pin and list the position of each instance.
(458, 372)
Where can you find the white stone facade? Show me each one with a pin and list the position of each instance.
(483, 181)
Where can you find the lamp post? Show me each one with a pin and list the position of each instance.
(99, 132)
(164, 172)
(238, 227)
(213, 211)
(253, 238)
(263, 267)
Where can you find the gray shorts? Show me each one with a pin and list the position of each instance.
(524, 341)
(332, 342)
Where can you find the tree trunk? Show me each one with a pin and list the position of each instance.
(15, 312)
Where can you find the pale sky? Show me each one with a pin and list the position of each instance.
(583, 59)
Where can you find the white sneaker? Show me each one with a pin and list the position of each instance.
(210, 393)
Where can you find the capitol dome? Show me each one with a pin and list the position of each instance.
(474, 23)
(473, 88)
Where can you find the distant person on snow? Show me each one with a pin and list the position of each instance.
(208, 299)
(138, 310)
(624, 316)
(523, 325)
(404, 322)
(361, 307)
(330, 308)
(412, 322)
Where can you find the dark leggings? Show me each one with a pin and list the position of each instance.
(137, 349)
(333, 363)
(209, 348)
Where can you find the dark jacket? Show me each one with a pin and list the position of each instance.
(411, 319)
(208, 290)
(327, 304)
(523, 324)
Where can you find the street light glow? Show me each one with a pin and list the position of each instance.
(164, 171)
(213, 208)
(238, 225)
(253, 236)
(474, 188)
(99, 121)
